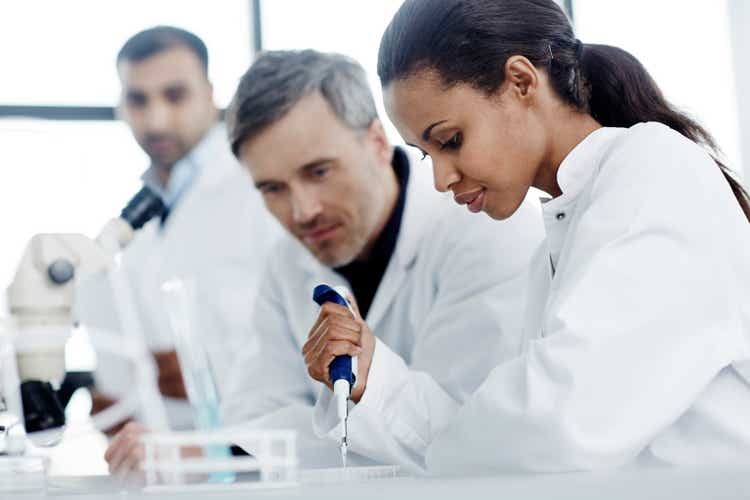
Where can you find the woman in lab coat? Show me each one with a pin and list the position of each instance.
(638, 332)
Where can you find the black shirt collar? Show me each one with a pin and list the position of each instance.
(364, 276)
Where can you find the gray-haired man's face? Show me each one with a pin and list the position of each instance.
(327, 184)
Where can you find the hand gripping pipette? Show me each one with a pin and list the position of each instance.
(343, 368)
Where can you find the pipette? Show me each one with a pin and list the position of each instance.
(343, 368)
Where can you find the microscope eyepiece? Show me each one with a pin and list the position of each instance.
(143, 207)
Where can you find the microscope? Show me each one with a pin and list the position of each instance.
(41, 298)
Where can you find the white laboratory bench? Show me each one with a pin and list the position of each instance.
(713, 483)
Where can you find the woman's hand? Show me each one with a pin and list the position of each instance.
(337, 333)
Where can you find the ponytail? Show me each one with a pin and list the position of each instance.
(468, 41)
(621, 93)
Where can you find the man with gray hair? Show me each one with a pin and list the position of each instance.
(361, 214)
(364, 215)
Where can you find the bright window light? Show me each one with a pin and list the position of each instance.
(73, 176)
(686, 47)
(62, 177)
(63, 52)
(350, 27)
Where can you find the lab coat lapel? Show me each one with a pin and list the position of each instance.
(216, 166)
(216, 160)
(421, 202)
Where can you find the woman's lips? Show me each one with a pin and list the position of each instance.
(477, 203)
(474, 200)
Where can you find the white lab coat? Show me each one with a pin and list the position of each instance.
(452, 296)
(220, 234)
(635, 348)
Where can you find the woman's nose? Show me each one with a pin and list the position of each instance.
(445, 175)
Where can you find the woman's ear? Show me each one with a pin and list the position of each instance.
(522, 77)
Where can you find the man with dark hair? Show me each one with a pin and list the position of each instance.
(150, 42)
(167, 98)
(215, 230)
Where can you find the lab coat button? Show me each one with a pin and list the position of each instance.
(560, 216)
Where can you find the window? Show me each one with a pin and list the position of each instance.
(62, 177)
(74, 175)
(351, 27)
(63, 52)
(686, 47)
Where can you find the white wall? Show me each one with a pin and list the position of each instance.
(739, 21)
(686, 46)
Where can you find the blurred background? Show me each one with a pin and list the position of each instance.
(67, 164)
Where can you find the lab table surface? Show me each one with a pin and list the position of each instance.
(685, 483)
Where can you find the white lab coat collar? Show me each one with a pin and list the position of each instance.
(204, 164)
(578, 167)
(213, 153)
(420, 200)
(181, 178)
(574, 174)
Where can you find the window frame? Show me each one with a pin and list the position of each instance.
(108, 113)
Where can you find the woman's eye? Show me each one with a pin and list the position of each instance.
(452, 143)
(320, 172)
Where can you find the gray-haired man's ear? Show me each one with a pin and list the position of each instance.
(376, 134)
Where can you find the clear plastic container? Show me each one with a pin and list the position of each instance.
(182, 308)
(171, 463)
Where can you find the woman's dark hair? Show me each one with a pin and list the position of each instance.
(469, 41)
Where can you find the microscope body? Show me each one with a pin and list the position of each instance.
(41, 302)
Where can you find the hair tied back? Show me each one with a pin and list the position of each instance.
(578, 48)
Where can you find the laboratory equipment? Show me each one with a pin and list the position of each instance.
(41, 298)
(343, 368)
(197, 374)
(169, 468)
(336, 475)
(273, 464)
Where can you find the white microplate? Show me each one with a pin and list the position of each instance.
(346, 474)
